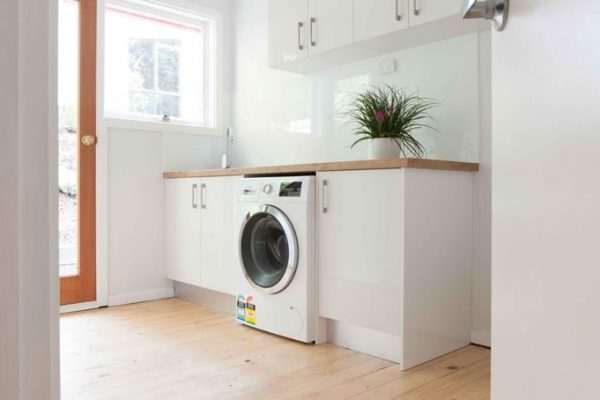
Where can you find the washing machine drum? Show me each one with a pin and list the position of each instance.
(268, 249)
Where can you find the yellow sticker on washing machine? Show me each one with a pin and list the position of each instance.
(250, 311)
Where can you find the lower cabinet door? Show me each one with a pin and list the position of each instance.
(183, 230)
(218, 234)
(361, 242)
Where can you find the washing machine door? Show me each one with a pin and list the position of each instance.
(268, 249)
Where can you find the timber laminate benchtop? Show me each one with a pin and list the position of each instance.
(330, 166)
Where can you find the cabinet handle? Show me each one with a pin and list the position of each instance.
(324, 196)
(194, 196)
(398, 11)
(203, 196)
(313, 22)
(300, 44)
(416, 7)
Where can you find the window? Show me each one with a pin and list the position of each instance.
(160, 63)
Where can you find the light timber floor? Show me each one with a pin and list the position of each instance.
(172, 349)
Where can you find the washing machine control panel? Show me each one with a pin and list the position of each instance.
(290, 189)
(268, 188)
(296, 189)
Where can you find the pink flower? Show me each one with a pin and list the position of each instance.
(379, 116)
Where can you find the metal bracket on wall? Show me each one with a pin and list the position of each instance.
(495, 10)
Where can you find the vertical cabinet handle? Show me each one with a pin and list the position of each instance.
(398, 11)
(203, 195)
(194, 196)
(300, 27)
(416, 7)
(324, 196)
(313, 22)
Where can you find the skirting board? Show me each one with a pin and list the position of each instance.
(204, 297)
(482, 338)
(69, 308)
(375, 343)
(138, 297)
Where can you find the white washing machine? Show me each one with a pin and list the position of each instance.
(277, 257)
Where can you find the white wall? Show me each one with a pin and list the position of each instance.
(130, 190)
(28, 209)
(546, 197)
(281, 117)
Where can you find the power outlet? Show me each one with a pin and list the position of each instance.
(387, 67)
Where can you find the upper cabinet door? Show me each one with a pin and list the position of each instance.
(330, 24)
(388, 16)
(288, 30)
(183, 230)
(218, 234)
(424, 11)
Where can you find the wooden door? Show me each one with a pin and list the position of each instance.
(81, 287)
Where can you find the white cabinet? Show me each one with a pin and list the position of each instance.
(330, 24)
(183, 230)
(218, 235)
(299, 28)
(360, 246)
(394, 261)
(288, 30)
(308, 35)
(424, 11)
(371, 21)
(200, 234)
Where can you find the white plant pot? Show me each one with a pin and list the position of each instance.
(382, 148)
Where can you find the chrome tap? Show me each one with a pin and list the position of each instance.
(226, 159)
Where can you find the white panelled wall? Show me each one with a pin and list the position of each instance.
(131, 160)
(546, 197)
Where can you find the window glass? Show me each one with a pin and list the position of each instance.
(158, 64)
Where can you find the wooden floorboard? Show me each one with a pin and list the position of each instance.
(172, 349)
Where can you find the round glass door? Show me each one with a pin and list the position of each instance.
(268, 249)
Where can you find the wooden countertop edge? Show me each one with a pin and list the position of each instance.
(331, 166)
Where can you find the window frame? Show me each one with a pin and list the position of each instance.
(210, 20)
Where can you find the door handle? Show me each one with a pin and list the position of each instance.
(313, 23)
(324, 196)
(89, 140)
(203, 196)
(398, 11)
(416, 7)
(300, 44)
(194, 196)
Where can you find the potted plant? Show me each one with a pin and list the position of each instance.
(386, 117)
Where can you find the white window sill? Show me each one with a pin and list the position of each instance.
(158, 126)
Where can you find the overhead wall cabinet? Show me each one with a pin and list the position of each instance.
(424, 11)
(302, 28)
(308, 35)
(395, 261)
(200, 239)
(387, 17)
